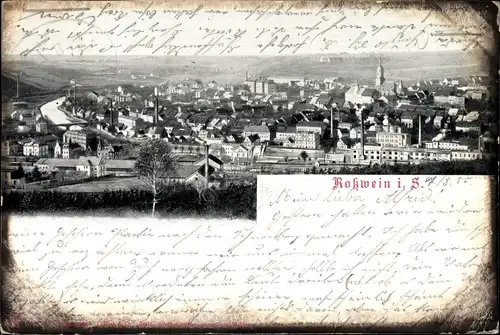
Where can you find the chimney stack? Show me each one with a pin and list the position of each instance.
(331, 122)
(111, 114)
(17, 95)
(206, 164)
(419, 130)
(156, 119)
(362, 146)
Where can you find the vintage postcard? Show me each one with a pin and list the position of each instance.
(234, 164)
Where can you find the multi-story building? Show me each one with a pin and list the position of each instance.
(268, 87)
(286, 133)
(307, 140)
(466, 155)
(66, 151)
(389, 139)
(361, 95)
(447, 145)
(380, 154)
(312, 126)
(261, 86)
(92, 166)
(41, 127)
(36, 148)
(28, 117)
(450, 99)
(78, 136)
(407, 120)
(262, 131)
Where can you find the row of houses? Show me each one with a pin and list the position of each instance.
(96, 167)
(382, 154)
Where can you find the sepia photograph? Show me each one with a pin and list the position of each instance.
(155, 111)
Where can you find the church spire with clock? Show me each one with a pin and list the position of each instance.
(380, 73)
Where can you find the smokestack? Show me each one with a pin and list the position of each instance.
(111, 114)
(362, 146)
(419, 130)
(246, 75)
(17, 94)
(156, 118)
(206, 164)
(331, 122)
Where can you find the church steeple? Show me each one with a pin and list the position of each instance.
(379, 80)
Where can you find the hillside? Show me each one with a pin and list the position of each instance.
(9, 87)
(94, 70)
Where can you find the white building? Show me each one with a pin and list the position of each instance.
(389, 139)
(36, 149)
(92, 166)
(312, 126)
(262, 131)
(57, 150)
(307, 140)
(361, 95)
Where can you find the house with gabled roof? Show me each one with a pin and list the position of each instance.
(92, 166)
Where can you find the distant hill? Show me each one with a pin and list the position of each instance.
(102, 71)
(9, 86)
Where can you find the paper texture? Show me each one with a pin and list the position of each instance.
(331, 251)
(241, 28)
(368, 249)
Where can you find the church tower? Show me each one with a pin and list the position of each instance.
(380, 73)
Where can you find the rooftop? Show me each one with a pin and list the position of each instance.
(256, 129)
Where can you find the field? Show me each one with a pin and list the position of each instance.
(99, 71)
(102, 185)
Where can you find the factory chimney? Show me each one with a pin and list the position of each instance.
(246, 75)
(331, 122)
(156, 119)
(17, 95)
(111, 114)
(419, 130)
(362, 142)
(207, 164)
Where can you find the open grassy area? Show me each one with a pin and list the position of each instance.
(113, 184)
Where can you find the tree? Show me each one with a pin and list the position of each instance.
(19, 173)
(155, 161)
(304, 155)
(36, 174)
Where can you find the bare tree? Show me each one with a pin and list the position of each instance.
(155, 161)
